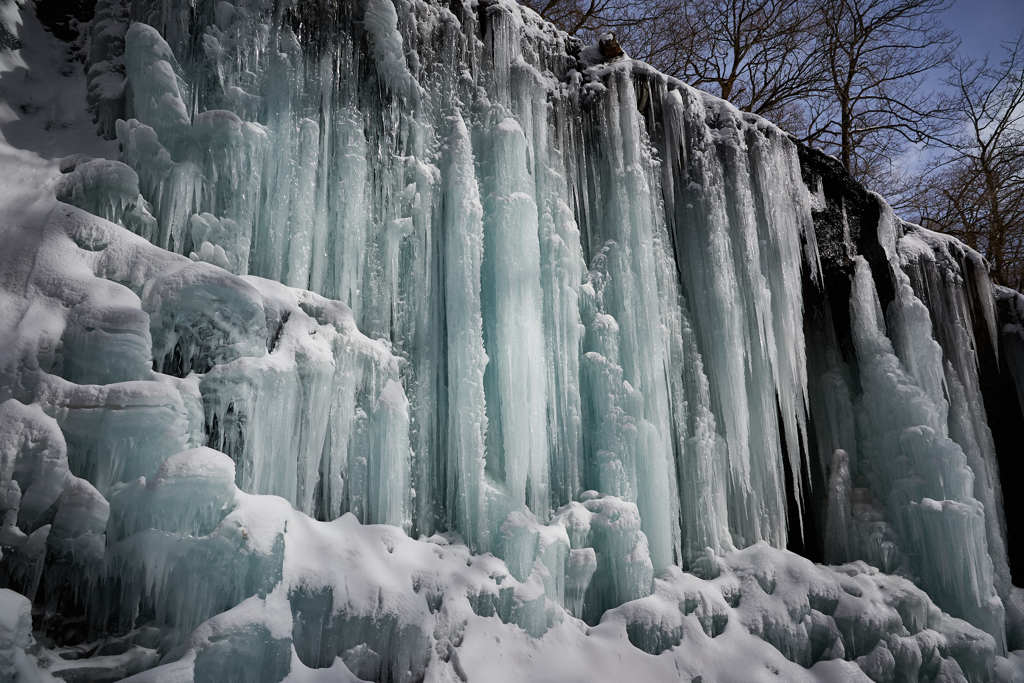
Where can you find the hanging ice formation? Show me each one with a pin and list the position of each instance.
(437, 266)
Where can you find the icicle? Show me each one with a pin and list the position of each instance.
(467, 418)
(513, 324)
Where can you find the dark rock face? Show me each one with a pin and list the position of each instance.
(846, 226)
(1007, 423)
(63, 17)
(846, 219)
(609, 47)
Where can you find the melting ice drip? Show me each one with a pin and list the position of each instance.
(553, 305)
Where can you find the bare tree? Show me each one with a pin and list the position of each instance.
(755, 53)
(976, 190)
(877, 55)
(588, 17)
(845, 75)
(758, 54)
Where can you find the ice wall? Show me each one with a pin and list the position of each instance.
(609, 263)
(476, 171)
(443, 268)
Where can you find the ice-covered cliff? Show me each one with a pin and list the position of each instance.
(413, 340)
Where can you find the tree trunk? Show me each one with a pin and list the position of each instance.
(996, 229)
(846, 142)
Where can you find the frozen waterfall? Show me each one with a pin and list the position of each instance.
(396, 329)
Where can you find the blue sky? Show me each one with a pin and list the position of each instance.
(982, 24)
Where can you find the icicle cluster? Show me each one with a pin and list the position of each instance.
(577, 304)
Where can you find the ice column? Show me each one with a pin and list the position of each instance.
(513, 325)
(738, 213)
(952, 282)
(632, 242)
(911, 463)
(467, 416)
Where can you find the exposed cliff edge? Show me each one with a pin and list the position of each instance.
(414, 340)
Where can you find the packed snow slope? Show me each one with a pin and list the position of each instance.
(402, 340)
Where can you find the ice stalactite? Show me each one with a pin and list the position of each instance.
(513, 325)
(920, 475)
(956, 297)
(628, 237)
(741, 270)
(467, 419)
